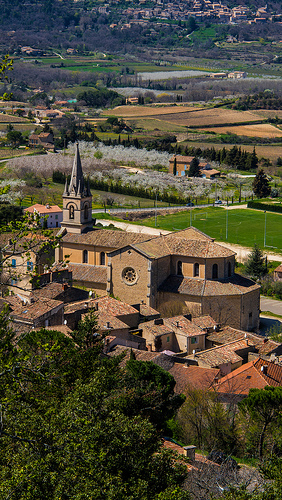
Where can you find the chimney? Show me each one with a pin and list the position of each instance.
(149, 347)
(177, 324)
(108, 325)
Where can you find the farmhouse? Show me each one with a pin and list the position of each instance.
(179, 166)
(186, 267)
(44, 139)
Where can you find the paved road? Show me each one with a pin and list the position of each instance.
(274, 306)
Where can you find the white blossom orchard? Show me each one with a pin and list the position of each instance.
(108, 166)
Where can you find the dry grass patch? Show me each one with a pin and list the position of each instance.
(268, 113)
(204, 117)
(12, 118)
(256, 130)
(136, 111)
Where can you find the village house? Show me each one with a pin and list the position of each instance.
(44, 140)
(50, 215)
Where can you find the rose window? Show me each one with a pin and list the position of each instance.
(129, 275)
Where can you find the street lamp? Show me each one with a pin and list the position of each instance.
(156, 209)
(264, 240)
(226, 222)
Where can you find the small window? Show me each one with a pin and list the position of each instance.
(214, 271)
(56, 217)
(179, 268)
(102, 259)
(229, 269)
(250, 315)
(167, 339)
(196, 269)
(14, 263)
(85, 212)
(29, 266)
(85, 257)
(71, 212)
(194, 340)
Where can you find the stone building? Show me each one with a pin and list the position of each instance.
(187, 267)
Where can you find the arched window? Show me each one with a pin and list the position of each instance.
(86, 212)
(229, 269)
(85, 257)
(196, 269)
(102, 259)
(179, 268)
(214, 271)
(71, 212)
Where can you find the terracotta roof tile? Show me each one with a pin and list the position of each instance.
(249, 376)
(88, 273)
(43, 209)
(219, 355)
(204, 321)
(194, 377)
(235, 285)
(183, 326)
(105, 238)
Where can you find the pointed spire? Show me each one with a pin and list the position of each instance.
(77, 181)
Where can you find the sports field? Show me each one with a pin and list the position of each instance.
(245, 227)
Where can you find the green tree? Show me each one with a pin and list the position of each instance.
(263, 408)
(74, 425)
(261, 186)
(6, 64)
(15, 137)
(174, 166)
(256, 264)
(194, 169)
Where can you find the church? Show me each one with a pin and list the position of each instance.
(186, 267)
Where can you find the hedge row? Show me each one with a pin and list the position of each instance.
(265, 206)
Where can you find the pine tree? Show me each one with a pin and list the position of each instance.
(174, 166)
(261, 185)
(194, 169)
(256, 264)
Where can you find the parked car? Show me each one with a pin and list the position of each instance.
(218, 202)
(190, 204)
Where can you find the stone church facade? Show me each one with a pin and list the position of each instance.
(186, 266)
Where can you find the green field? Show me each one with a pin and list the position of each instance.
(245, 227)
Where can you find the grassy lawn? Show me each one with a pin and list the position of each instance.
(245, 227)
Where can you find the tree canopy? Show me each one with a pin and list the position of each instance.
(261, 185)
(75, 425)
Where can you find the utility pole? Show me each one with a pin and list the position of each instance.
(156, 208)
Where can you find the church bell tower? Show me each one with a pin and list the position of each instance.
(77, 201)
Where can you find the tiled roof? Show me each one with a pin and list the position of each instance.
(182, 325)
(43, 209)
(182, 159)
(181, 244)
(114, 306)
(105, 238)
(204, 321)
(194, 377)
(249, 376)
(156, 330)
(159, 358)
(228, 334)
(88, 273)
(106, 321)
(264, 345)
(219, 355)
(278, 269)
(236, 285)
(146, 310)
(35, 310)
(49, 291)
